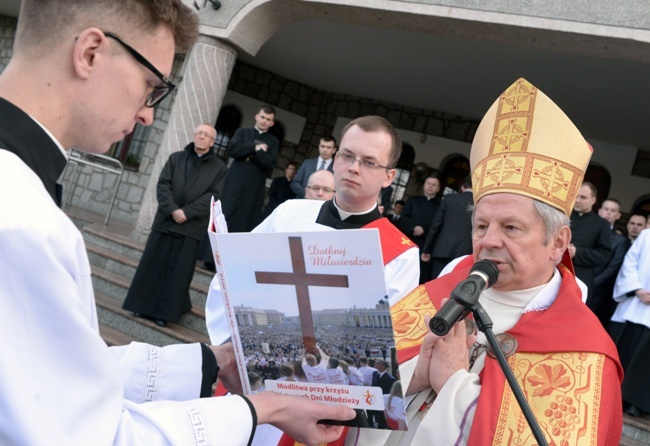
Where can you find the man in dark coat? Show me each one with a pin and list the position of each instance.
(255, 153)
(601, 302)
(418, 216)
(280, 190)
(450, 235)
(160, 287)
(590, 237)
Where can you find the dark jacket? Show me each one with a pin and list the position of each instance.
(243, 193)
(301, 179)
(384, 381)
(419, 211)
(590, 234)
(606, 274)
(450, 235)
(188, 182)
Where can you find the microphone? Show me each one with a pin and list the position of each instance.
(483, 275)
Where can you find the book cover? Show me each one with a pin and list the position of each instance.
(302, 308)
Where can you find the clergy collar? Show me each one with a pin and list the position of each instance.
(345, 215)
(532, 299)
(261, 132)
(329, 216)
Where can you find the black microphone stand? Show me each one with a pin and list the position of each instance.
(484, 323)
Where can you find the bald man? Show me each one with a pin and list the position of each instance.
(320, 186)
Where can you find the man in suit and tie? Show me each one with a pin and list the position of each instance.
(395, 217)
(450, 235)
(326, 151)
(381, 378)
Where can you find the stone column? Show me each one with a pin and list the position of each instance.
(205, 77)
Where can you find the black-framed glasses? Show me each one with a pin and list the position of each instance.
(349, 159)
(159, 92)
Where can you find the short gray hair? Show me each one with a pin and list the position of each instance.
(553, 219)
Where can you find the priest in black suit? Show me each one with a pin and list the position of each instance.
(591, 244)
(255, 153)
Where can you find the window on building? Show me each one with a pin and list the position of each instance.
(402, 172)
(454, 171)
(599, 177)
(130, 150)
(228, 121)
(641, 166)
(278, 131)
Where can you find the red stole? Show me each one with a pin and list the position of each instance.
(393, 242)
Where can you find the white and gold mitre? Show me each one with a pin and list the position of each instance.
(526, 145)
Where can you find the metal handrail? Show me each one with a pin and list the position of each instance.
(77, 158)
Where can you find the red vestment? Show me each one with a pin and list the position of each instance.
(566, 365)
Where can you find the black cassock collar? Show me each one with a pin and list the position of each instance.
(329, 216)
(22, 136)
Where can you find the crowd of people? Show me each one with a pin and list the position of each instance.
(267, 348)
(61, 384)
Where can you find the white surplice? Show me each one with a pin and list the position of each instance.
(633, 275)
(59, 382)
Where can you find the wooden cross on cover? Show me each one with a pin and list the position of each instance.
(302, 280)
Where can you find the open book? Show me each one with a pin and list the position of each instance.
(302, 308)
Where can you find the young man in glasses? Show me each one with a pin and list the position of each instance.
(72, 82)
(364, 164)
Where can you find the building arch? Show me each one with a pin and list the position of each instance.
(278, 130)
(228, 121)
(641, 205)
(454, 168)
(600, 177)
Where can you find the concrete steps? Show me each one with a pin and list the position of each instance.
(114, 337)
(114, 258)
(636, 431)
(112, 315)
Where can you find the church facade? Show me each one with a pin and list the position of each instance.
(247, 56)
